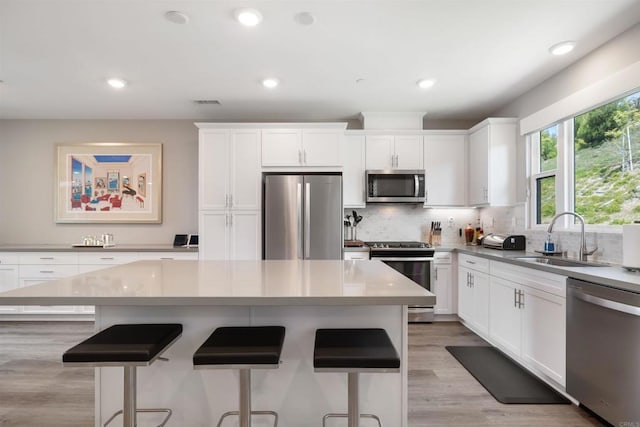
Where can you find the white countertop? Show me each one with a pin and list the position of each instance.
(248, 283)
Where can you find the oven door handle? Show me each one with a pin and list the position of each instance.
(373, 257)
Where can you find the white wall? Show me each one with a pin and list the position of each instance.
(27, 151)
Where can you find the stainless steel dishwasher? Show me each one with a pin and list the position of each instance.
(603, 350)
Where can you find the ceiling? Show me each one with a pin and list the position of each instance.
(358, 55)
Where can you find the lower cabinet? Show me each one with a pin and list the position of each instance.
(442, 283)
(528, 318)
(356, 255)
(473, 292)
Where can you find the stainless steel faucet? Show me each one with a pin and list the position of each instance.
(583, 252)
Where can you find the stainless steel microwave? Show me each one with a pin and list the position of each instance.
(395, 186)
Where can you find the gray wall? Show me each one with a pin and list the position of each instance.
(27, 151)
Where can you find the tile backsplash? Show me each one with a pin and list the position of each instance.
(412, 222)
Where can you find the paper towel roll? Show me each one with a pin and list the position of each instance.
(631, 245)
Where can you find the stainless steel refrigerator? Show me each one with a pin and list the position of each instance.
(302, 216)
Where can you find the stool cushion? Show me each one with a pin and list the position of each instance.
(354, 348)
(124, 343)
(250, 345)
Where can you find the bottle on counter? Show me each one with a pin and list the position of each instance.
(549, 245)
(468, 234)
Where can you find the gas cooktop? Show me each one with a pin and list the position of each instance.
(397, 245)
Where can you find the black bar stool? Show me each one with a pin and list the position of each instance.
(354, 351)
(243, 348)
(128, 346)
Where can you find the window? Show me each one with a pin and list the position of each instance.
(606, 161)
(589, 164)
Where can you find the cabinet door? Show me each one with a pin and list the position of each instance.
(480, 285)
(44, 309)
(281, 147)
(379, 152)
(446, 170)
(353, 172)
(245, 229)
(245, 169)
(479, 167)
(442, 287)
(409, 152)
(357, 255)
(8, 281)
(213, 169)
(214, 239)
(321, 147)
(544, 333)
(465, 295)
(506, 317)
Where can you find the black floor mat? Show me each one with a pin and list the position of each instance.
(503, 378)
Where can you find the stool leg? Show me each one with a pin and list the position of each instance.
(129, 407)
(245, 398)
(353, 399)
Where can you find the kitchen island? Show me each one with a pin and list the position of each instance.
(202, 295)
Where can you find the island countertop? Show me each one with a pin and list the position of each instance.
(246, 283)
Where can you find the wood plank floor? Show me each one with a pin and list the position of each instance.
(35, 390)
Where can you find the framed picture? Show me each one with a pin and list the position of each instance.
(115, 182)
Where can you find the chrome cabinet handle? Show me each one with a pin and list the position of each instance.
(47, 257)
(226, 219)
(436, 271)
(304, 156)
(166, 258)
(230, 200)
(47, 271)
(107, 258)
(515, 298)
(230, 220)
(521, 300)
(299, 156)
(470, 262)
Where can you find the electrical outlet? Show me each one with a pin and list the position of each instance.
(451, 223)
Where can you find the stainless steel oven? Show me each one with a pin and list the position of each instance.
(413, 260)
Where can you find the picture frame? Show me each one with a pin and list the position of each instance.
(108, 182)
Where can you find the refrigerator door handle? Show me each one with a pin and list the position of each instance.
(299, 204)
(307, 220)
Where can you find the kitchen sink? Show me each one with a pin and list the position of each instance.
(560, 262)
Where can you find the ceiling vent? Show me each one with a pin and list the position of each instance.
(207, 102)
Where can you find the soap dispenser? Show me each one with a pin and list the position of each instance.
(549, 246)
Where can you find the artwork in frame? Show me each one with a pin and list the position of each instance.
(95, 183)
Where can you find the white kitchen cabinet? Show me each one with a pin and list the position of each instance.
(302, 147)
(167, 256)
(394, 152)
(230, 235)
(353, 172)
(229, 169)
(442, 283)
(492, 160)
(505, 323)
(50, 269)
(356, 255)
(473, 292)
(9, 279)
(528, 317)
(445, 169)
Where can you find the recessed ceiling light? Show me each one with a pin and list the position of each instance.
(304, 18)
(248, 17)
(270, 83)
(425, 83)
(116, 83)
(176, 17)
(562, 48)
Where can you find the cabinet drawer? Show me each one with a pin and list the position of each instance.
(44, 271)
(107, 258)
(361, 255)
(442, 258)
(473, 263)
(8, 259)
(49, 258)
(155, 256)
(541, 280)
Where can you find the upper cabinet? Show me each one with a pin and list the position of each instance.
(303, 147)
(445, 169)
(229, 168)
(394, 152)
(492, 162)
(353, 172)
